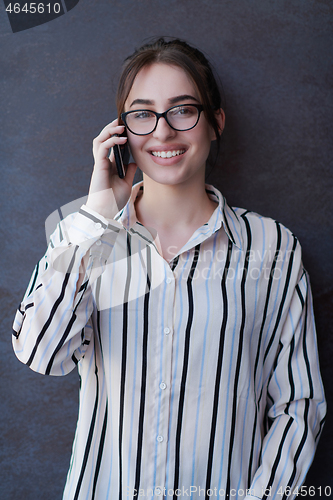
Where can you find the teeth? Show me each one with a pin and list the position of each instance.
(168, 154)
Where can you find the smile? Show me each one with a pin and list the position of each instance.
(168, 154)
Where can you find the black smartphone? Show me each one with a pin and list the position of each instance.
(121, 156)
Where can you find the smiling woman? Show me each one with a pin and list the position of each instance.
(190, 322)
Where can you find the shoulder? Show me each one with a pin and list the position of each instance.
(250, 230)
(268, 237)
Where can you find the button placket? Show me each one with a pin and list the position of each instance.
(164, 380)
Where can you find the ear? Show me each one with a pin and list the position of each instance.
(220, 116)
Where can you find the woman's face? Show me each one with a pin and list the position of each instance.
(157, 88)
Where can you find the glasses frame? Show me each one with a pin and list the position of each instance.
(162, 115)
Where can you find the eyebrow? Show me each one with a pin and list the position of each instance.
(172, 100)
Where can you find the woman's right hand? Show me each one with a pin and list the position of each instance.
(108, 193)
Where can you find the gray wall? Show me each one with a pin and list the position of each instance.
(57, 85)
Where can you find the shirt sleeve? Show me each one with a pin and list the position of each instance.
(49, 333)
(297, 411)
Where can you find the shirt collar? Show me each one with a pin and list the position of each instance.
(223, 215)
(226, 216)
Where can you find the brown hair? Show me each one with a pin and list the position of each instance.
(175, 52)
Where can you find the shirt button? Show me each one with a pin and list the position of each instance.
(162, 385)
(158, 491)
(166, 330)
(98, 243)
(168, 280)
(98, 225)
(159, 439)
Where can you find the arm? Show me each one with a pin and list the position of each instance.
(49, 327)
(49, 334)
(298, 404)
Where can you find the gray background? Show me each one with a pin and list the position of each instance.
(57, 86)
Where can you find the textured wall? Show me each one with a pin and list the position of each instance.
(57, 84)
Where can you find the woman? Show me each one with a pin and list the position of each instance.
(190, 322)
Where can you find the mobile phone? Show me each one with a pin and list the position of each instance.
(121, 156)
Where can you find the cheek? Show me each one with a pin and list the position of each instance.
(135, 143)
(203, 142)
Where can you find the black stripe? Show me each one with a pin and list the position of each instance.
(98, 318)
(92, 217)
(278, 456)
(53, 310)
(264, 317)
(113, 228)
(218, 368)
(16, 334)
(307, 402)
(34, 280)
(300, 447)
(61, 237)
(240, 349)
(290, 375)
(321, 425)
(283, 298)
(83, 286)
(209, 191)
(119, 215)
(174, 263)
(60, 343)
(151, 242)
(185, 366)
(74, 359)
(100, 452)
(228, 227)
(143, 373)
(305, 350)
(123, 361)
(90, 435)
(29, 305)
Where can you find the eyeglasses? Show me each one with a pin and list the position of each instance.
(144, 121)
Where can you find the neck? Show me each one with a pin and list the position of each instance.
(173, 206)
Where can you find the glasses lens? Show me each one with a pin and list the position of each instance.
(141, 121)
(183, 117)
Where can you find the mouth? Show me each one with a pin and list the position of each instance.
(168, 153)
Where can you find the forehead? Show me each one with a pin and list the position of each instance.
(160, 82)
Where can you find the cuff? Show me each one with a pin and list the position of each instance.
(90, 233)
(89, 225)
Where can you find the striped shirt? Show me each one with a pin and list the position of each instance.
(199, 377)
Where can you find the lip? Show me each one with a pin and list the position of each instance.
(170, 147)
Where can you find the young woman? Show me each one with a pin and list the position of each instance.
(190, 322)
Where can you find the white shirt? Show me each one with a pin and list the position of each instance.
(199, 377)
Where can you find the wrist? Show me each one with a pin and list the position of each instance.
(104, 203)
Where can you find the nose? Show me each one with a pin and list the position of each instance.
(163, 130)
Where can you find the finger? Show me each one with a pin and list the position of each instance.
(102, 150)
(108, 131)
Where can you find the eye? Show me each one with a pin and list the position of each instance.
(184, 111)
(142, 114)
